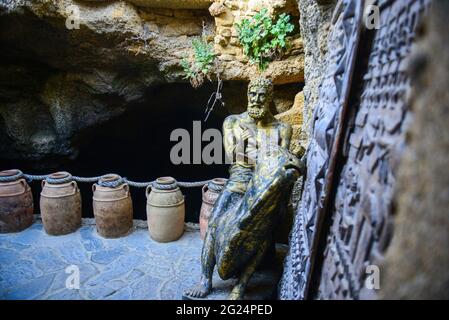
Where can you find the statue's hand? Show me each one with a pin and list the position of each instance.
(299, 151)
(246, 147)
(249, 135)
(295, 164)
(246, 134)
(247, 131)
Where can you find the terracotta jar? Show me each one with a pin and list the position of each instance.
(16, 202)
(60, 204)
(211, 191)
(113, 208)
(165, 210)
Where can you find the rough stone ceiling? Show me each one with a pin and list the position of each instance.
(168, 4)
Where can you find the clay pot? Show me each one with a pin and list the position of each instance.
(60, 205)
(165, 211)
(211, 191)
(113, 208)
(16, 203)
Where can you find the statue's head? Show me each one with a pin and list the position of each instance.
(260, 96)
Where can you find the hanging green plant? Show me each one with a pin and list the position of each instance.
(201, 64)
(264, 39)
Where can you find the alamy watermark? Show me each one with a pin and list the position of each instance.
(190, 148)
(73, 17)
(73, 280)
(371, 17)
(372, 281)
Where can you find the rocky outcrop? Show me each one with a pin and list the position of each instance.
(293, 116)
(233, 64)
(315, 19)
(64, 73)
(173, 4)
(417, 262)
(166, 4)
(57, 81)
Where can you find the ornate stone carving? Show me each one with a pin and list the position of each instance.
(350, 204)
(361, 217)
(333, 93)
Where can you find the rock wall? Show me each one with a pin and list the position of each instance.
(234, 65)
(315, 19)
(166, 4)
(417, 262)
(294, 117)
(173, 4)
(56, 82)
(72, 79)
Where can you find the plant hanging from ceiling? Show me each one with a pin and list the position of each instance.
(200, 65)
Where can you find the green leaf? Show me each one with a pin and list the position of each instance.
(261, 35)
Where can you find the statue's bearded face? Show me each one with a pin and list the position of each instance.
(258, 102)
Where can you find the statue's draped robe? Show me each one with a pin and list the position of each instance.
(249, 207)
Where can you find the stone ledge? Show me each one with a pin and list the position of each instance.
(290, 70)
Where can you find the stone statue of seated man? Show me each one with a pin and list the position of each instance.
(262, 174)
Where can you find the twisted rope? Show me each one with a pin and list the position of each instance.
(118, 181)
(32, 177)
(138, 184)
(215, 187)
(164, 186)
(86, 179)
(193, 184)
(115, 183)
(67, 178)
(13, 177)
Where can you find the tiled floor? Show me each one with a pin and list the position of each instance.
(33, 265)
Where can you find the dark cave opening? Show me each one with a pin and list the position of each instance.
(137, 145)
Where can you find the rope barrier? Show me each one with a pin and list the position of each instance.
(86, 180)
(215, 187)
(59, 178)
(139, 184)
(111, 181)
(193, 184)
(31, 177)
(164, 186)
(98, 179)
(12, 177)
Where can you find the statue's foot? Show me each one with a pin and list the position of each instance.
(236, 294)
(200, 290)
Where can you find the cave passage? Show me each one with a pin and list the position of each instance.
(137, 145)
